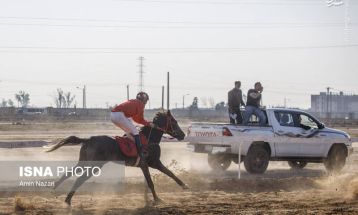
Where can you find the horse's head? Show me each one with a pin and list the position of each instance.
(166, 122)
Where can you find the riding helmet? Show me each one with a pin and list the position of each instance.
(142, 96)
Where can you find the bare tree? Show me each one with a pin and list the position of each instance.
(22, 98)
(69, 99)
(63, 99)
(59, 98)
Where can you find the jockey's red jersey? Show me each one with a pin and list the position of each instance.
(132, 109)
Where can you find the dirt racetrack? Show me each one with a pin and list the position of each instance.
(253, 195)
(279, 191)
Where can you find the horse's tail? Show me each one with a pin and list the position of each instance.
(72, 140)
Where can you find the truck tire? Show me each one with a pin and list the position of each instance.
(219, 161)
(336, 158)
(257, 159)
(297, 164)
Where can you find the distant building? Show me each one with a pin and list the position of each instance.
(335, 105)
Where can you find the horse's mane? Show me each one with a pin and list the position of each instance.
(157, 116)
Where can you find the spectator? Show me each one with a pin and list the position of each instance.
(234, 102)
(253, 105)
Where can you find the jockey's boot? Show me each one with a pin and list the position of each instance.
(138, 145)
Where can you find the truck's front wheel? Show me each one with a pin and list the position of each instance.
(219, 161)
(336, 158)
(256, 160)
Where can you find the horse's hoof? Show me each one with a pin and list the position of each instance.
(158, 201)
(68, 202)
(185, 187)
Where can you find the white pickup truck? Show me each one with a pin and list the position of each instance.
(290, 135)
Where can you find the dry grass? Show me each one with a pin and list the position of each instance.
(22, 204)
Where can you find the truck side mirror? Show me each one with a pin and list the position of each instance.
(321, 126)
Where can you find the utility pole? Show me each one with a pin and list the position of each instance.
(168, 102)
(127, 91)
(184, 100)
(84, 97)
(141, 72)
(162, 97)
(330, 103)
(327, 101)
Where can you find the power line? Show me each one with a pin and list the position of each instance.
(258, 24)
(58, 50)
(67, 83)
(292, 2)
(228, 26)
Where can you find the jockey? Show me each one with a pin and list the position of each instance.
(134, 109)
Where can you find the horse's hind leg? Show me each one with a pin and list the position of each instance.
(66, 176)
(79, 181)
(159, 166)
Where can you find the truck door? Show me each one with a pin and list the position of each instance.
(312, 144)
(285, 132)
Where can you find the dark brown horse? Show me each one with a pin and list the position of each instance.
(105, 148)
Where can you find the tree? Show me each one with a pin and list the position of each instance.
(22, 98)
(59, 98)
(63, 99)
(7, 103)
(69, 99)
(10, 103)
(220, 106)
(194, 105)
(3, 103)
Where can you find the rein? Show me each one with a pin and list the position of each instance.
(169, 124)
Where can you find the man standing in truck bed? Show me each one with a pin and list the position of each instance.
(253, 105)
(234, 102)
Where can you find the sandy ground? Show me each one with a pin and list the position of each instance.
(279, 191)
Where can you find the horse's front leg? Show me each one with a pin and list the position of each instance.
(159, 166)
(146, 173)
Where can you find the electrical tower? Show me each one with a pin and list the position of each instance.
(141, 72)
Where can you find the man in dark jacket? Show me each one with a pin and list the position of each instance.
(253, 105)
(235, 101)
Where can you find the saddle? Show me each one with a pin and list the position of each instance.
(128, 147)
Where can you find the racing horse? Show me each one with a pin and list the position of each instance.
(105, 148)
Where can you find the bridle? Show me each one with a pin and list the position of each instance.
(168, 125)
